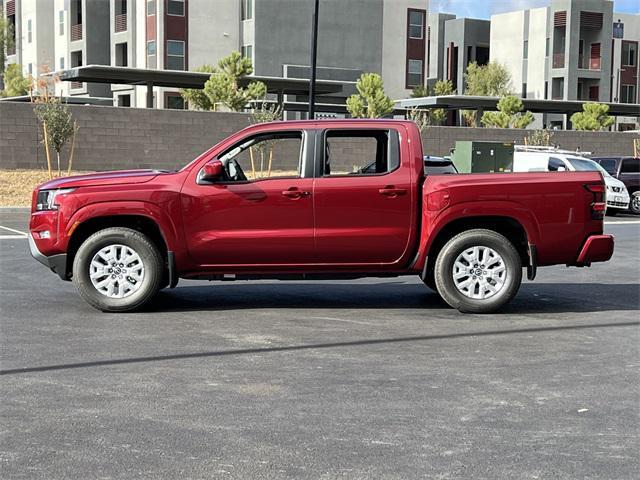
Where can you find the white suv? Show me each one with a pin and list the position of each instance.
(526, 160)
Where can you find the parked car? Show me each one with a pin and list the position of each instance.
(308, 211)
(617, 196)
(627, 170)
(438, 165)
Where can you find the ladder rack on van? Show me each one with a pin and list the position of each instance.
(548, 149)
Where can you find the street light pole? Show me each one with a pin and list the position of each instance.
(314, 56)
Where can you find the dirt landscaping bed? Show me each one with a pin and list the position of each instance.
(16, 186)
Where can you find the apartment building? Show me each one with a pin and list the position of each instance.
(566, 51)
(383, 36)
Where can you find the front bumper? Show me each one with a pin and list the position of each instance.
(57, 263)
(597, 248)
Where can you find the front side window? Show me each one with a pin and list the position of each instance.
(175, 7)
(555, 164)
(363, 152)
(630, 165)
(175, 55)
(416, 24)
(262, 157)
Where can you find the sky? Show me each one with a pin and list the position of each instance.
(486, 8)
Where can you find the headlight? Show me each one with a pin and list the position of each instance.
(46, 198)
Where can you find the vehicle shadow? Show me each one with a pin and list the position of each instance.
(532, 297)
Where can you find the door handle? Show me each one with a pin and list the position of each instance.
(294, 193)
(391, 191)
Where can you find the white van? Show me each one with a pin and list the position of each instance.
(528, 159)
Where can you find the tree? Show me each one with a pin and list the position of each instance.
(509, 114)
(540, 137)
(58, 127)
(491, 80)
(15, 83)
(197, 96)
(420, 91)
(370, 101)
(263, 114)
(223, 86)
(594, 117)
(441, 87)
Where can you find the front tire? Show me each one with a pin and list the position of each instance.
(118, 270)
(634, 205)
(478, 271)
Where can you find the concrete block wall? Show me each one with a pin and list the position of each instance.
(119, 138)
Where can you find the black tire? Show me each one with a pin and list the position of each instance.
(478, 238)
(634, 204)
(149, 255)
(611, 212)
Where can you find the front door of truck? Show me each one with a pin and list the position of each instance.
(259, 212)
(362, 197)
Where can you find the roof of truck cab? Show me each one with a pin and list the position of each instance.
(339, 122)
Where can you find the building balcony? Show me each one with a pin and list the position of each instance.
(558, 60)
(76, 32)
(121, 23)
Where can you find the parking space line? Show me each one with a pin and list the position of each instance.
(623, 222)
(12, 230)
(13, 237)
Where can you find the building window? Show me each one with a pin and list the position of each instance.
(414, 73)
(121, 54)
(61, 63)
(151, 54)
(124, 100)
(29, 31)
(174, 102)
(30, 68)
(175, 55)
(524, 90)
(61, 22)
(628, 94)
(175, 7)
(247, 9)
(546, 90)
(546, 48)
(416, 24)
(525, 49)
(247, 52)
(629, 54)
(151, 7)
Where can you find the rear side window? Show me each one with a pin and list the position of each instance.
(609, 164)
(630, 165)
(360, 152)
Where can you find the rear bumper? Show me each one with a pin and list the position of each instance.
(597, 248)
(57, 263)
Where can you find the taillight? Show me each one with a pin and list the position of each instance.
(598, 207)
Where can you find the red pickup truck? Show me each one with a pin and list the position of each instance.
(315, 199)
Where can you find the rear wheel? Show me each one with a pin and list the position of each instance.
(118, 270)
(478, 271)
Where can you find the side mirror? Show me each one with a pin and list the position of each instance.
(562, 169)
(211, 171)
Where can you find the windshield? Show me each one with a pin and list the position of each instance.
(585, 165)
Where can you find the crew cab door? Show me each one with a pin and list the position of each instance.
(362, 196)
(260, 211)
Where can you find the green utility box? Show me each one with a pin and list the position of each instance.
(483, 157)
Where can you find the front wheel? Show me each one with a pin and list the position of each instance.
(478, 271)
(118, 270)
(634, 206)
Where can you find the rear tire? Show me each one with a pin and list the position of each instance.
(478, 271)
(118, 270)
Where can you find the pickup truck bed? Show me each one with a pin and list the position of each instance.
(323, 199)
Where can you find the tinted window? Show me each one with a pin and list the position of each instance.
(439, 169)
(583, 165)
(609, 164)
(630, 165)
(360, 152)
(555, 163)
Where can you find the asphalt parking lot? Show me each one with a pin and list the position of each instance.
(364, 379)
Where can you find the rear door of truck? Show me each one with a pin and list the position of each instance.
(364, 195)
